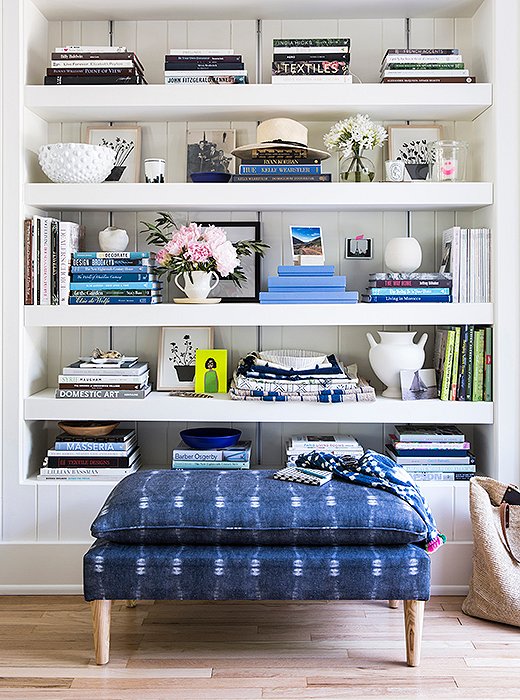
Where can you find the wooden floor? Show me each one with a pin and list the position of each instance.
(239, 650)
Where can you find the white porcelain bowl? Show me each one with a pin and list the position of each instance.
(76, 162)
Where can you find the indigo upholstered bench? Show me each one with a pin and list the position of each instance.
(223, 535)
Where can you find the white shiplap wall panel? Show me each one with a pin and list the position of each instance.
(78, 508)
(366, 47)
(48, 513)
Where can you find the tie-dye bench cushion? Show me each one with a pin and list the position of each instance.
(209, 507)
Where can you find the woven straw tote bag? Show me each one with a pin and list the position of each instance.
(494, 591)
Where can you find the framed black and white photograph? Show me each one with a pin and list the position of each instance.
(418, 385)
(358, 248)
(249, 290)
(409, 144)
(209, 151)
(176, 359)
(126, 142)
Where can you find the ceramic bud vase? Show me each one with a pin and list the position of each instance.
(112, 238)
(403, 254)
(395, 352)
(197, 284)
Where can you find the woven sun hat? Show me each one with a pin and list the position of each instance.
(280, 133)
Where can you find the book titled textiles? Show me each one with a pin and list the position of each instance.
(312, 477)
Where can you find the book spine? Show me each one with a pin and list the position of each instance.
(310, 56)
(442, 476)
(292, 44)
(111, 255)
(36, 258)
(116, 285)
(210, 465)
(323, 446)
(384, 299)
(420, 59)
(86, 462)
(448, 366)
(325, 78)
(113, 277)
(90, 447)
(423, 52)
(105, 263)
(92, 80)
(470, 360)
(331, 295)
(280, 161)
(65, 249)
(461, 384)
(423, 66)
(188, 59)
(324, 177)
(51, 72)
(100, 385)
(297, 281)
(93, 56)
(189, 68)
(103, 379)
(456, 363)
(279, 169)
(478, 372)
(112, 301)
(27, 262)
(447, 79)
(45, 262)
(100, 394)
(202, 52)
(488, 364)
(305, 270)
(208, 73)
(115, 292)
(410, 284)
(180, 79)
(310, 67)
(414, 291)
(410, 73)
(120, 270)
(55, 262)
(96, 63)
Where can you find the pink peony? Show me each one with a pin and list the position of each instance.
(182, 239)
(198, 253)
(226, 258)
(214, 236)
(163, 258)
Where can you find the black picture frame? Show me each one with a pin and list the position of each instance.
(250, 290)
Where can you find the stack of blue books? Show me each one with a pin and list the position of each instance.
(412, 287)
(114, 278)
(307, 284)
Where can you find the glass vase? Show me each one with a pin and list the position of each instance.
(356, 168)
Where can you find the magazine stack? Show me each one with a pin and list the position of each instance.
(213, 66)
(235, 457)
(432, 452)
(86, 458)
(94, 65)
(114, 278)
(424, 66)
(311, 61)
(89, 378)
(463, 361)
(338, 445)
(467, 256)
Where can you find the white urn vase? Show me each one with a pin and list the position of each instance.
(197, 284)
(403, 254)
(112, 239)
(395, 352)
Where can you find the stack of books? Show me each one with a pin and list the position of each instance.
(107, 458)
(339, 445)
(424, 66)
(432, 452)
(431, 287)
(48, 247)
(236, 457)
(114, 278)
(94, 65)
(214, 66)
(463, 361)
(307, 284)
(311, 60)
(115, 379)
(283, 164)
(467, 255)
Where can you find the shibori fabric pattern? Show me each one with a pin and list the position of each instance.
(380, 472)
(360, 392)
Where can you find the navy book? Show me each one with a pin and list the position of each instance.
(113, 277)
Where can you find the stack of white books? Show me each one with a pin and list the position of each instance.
(339, 445)
(467, 255)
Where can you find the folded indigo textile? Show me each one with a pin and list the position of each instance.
(254, 362)
(361, 392)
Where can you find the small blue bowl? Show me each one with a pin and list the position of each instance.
(210, 438)
(210, 177)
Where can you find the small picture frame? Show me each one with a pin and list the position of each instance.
(126, 142)
(209, 151)
(211, 371)
(418, 385)
(358, 248)
(307, 245)
(177, 354)
(409, 143)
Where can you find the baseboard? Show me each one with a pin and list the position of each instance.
(449, 590)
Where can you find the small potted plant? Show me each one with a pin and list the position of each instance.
(201, 256)
(351, 137)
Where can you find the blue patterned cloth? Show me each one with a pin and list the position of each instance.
(379, 472)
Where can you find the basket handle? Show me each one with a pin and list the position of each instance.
(504, 522)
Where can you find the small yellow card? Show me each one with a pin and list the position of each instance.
(211, 371)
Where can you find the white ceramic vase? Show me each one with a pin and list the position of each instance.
(403, 254)
(112, 238)
(200, 284)
(395, 352)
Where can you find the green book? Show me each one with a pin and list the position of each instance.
(488, 364)
(448, 365)
(423, 66)
(478, 366)
(456, 364)
(469, 362)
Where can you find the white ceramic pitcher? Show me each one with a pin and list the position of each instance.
(395, 352)
(200, 284)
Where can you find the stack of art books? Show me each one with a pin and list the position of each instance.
(281, 164)
(48, 246)
(311, 61)
(339, 445)
(114, 278)
(94, 65)
(463, 361)
(126, 378)
(307, 284)
(409, 287)
(467, 256)
(214, 66)
(432, 452)
(424, 66)
(79, 458)
(236, 457)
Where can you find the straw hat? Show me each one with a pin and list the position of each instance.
(280, 133)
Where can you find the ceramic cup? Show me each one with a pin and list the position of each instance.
(394, 170)
(154, 169)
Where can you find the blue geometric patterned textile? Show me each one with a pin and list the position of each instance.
(207, 507)
(154, 572)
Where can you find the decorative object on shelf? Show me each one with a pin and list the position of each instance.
(394, 170)
(448, 161)
(311, 61)
(210, 438)
(210, 151)
(125, 142)
(466, 255)
(197, 284)
(396, 351)
(154, 170)
(411, 287)
(206, 247)
(403, 254)
(76, 162)
(210, 177)
(190, 395)
(351, 137)
(410, 144)
(176, 361)
(307, 245)
(418, 385)
(211, 371)
(280, 135)
(87, 428)
(113, 239)
(307, 284)
(358, 248)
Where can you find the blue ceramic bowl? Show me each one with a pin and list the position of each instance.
(210, 177)
(210, 438)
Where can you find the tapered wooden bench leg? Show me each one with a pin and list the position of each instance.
(394, 604)
(413, 626)
(101, 628)
(131, 603)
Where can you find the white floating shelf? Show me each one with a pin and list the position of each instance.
(315, 102)
(260, 315)
(307, 196)
(159, 406)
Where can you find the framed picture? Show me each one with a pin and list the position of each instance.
(209, 151)
(177, 352)
(211, 372)
(307, 245)
(359, 248)
(126, 142)
(418, 385)
(226, 289)
(409, 144)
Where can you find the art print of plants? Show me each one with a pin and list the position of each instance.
(184, 353)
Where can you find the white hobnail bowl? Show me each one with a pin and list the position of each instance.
(76, 162)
